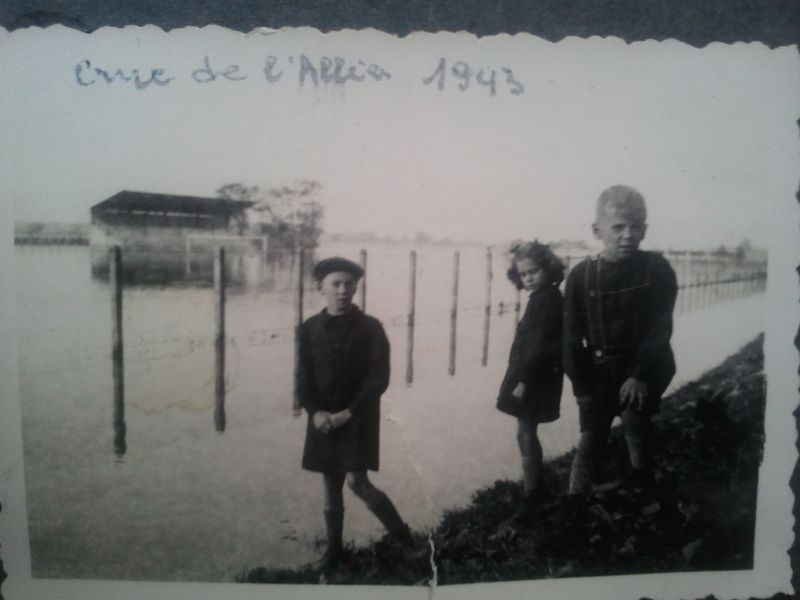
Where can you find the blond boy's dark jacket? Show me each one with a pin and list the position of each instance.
(620, 314)
(343, 363)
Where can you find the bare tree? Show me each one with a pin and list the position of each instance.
(290, 214)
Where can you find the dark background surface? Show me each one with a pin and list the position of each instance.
(696, 22)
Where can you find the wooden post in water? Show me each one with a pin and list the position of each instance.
(118, 370)
(296, 408)
(703, 280)
(684, 284)
(453, 316)
(412, 309)
(219, 339)
(188, 256)
(363, 261)
(487, 315)
(687, 282)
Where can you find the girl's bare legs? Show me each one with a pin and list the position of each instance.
(531, 450)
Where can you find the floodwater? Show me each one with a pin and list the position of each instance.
(188, 503)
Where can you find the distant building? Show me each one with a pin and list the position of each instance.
(166, 238)
(51, 234)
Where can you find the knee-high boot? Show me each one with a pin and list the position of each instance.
(387, 514)
(334, 522)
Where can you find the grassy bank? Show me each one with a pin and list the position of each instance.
(700, 514)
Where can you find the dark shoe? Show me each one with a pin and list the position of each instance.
(403, 536)
(334, 521)
(331, 559)
(329, 564)
(577, 502)
(535, 501)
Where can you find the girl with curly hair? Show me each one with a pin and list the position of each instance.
(531, 388)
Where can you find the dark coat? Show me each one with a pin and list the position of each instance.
(343, 363)
(535, 360)
(618, 324)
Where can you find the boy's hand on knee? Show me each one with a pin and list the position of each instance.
(633, 393)
(340, 418)
(519, 391)
(321, 420)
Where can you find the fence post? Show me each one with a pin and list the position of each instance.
(705, 266)
(454, 316)
(676, 268)
(219, 339)
(487, 309)
(363, 261)
(412, 309)
(687, 305)
(714, 293)
(296, 408)
(684, 290)
(701, 268)
(118, 370)
(188, 256)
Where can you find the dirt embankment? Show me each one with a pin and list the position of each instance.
(699, 515)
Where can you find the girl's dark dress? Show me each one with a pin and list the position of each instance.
(535, 360)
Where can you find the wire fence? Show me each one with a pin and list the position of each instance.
(257, 301)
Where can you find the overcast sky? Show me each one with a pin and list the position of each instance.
(708, 135)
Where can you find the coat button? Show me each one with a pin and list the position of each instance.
(598, 353)
(592, 293)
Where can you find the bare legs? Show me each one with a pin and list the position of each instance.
(531, 450)
(638, 431)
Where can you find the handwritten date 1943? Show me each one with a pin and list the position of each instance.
(463, 74)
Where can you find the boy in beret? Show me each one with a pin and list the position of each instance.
(617, 328)
(343, 369)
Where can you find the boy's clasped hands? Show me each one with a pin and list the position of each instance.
(326, 421)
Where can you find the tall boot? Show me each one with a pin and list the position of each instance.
(334, 522)
(389, 517)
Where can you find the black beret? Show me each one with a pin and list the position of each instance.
(336, 263)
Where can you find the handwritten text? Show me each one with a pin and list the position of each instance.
(463, 74)
(301, 69)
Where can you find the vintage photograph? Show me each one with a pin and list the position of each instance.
(294, 308)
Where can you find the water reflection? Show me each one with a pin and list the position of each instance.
(120, 446)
